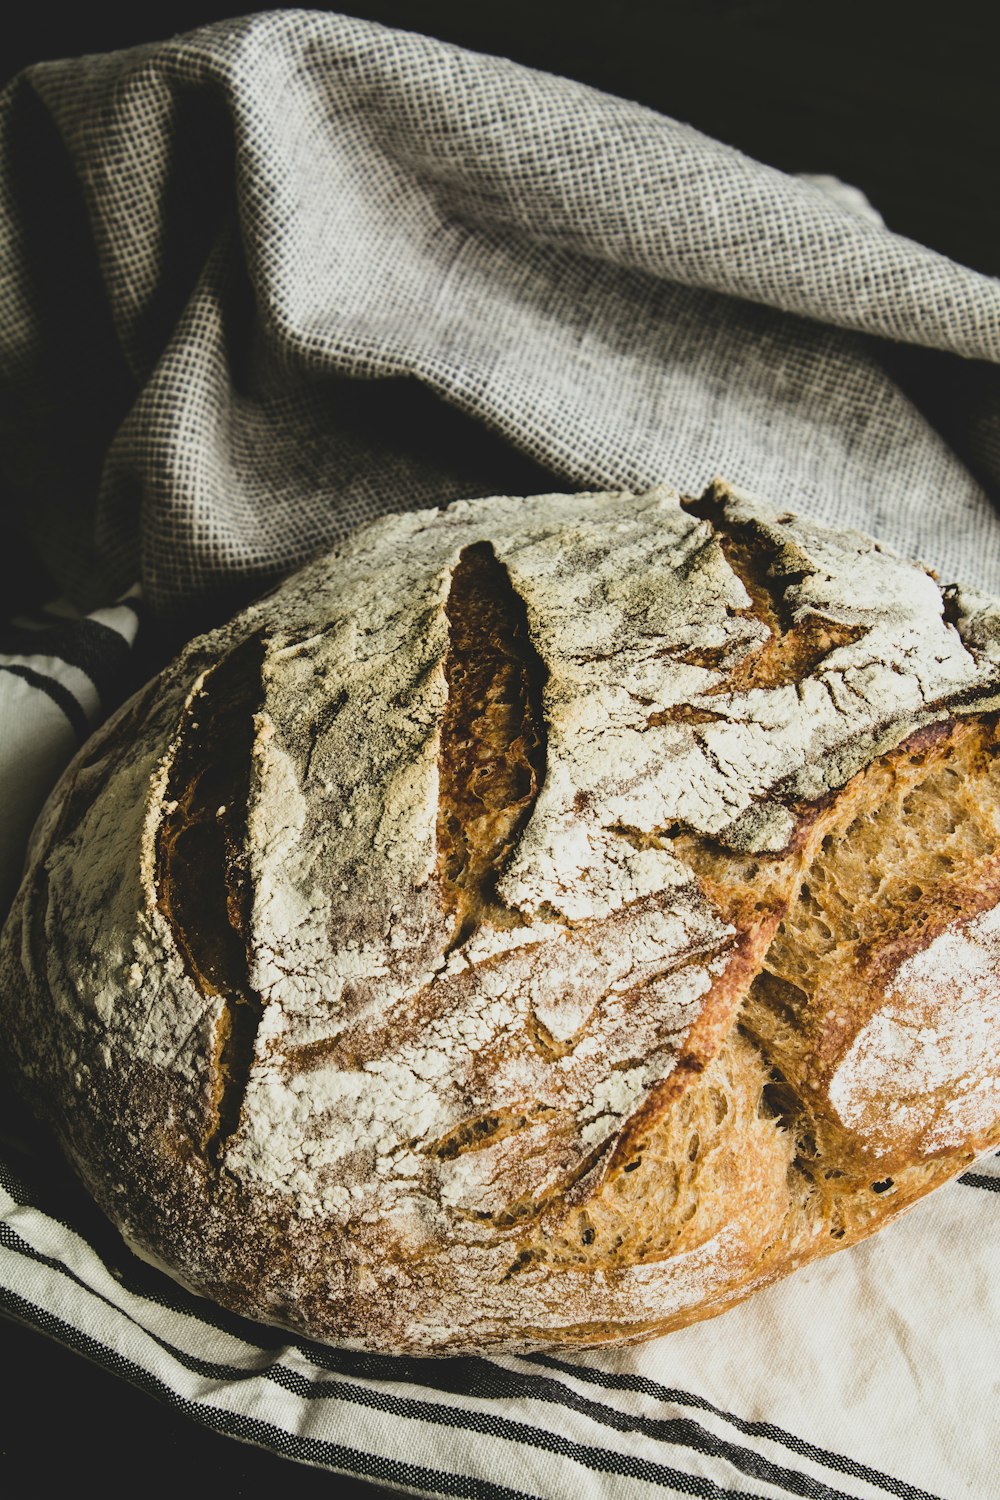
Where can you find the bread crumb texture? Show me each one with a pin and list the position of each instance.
(541, 922)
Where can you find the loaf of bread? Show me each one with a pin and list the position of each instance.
(540, 923)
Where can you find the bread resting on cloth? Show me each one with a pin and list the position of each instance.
(540, 922)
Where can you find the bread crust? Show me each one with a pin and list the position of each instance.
(470, 947)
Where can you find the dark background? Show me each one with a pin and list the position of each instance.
(897, 98)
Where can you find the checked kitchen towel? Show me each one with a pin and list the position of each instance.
(287, 273)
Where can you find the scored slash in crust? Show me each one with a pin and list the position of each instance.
(541, 922)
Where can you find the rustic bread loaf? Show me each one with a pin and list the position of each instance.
(542, 922)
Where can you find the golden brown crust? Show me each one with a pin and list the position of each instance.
(903, 858)
(506, 936)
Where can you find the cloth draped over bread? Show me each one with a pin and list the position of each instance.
(293, 272)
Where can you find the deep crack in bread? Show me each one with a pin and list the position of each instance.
(540, 922)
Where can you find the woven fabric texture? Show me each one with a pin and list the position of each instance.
(296, 271)
(288, 273)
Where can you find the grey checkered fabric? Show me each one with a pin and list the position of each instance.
(296, 271)
(292, 272)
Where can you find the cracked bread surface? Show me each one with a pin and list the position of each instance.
(539, 923)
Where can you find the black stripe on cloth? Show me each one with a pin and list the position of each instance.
(981, 1180)
(475, 1377)
(601, 1460)
(320, 1451)
(211, 1369)
(61, 697)
(642, 1385)
(96, 649)
(484, 1380)
(168, 1294)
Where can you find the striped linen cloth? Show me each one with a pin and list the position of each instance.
(398, 273)
(61, 674)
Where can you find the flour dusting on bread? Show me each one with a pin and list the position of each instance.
(539, 922)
